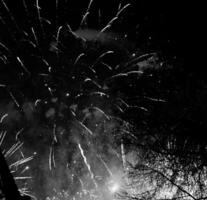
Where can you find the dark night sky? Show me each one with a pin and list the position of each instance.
(173, 25)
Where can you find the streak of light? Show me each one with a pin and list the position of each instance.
(14, 99)
(155, 99)
(87, 165)
(54, 133)
(3, 117)
(106, 65)
(21, 161)
(13, 149)
(10, 14)
(23, 66)
(123, 156)
(78, 58)
(93, 82)
(101, 56)
(34, 34)
(4, 46)
(39, 16)
(37, 101)
(120, 10)
(105, 165)
(84, 18)
(18, 133)
(25, 169)
(140, 59)
(2, 136)
(73, 33)
(85, 128)
(57, 38)
(100, 94)
(22, 177)
(52, 157)
(102, 112)
(110, 23)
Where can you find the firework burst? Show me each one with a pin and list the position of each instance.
(72, 92)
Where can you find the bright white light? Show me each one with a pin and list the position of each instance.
(114, 187)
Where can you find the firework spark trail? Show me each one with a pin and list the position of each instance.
(21, 161)
(84, 18)
(14, 99)
(35, 36)
(87, 165)
(101, 111)
(110, 23)
(2, 136)
(23, 66)
(85, 128)
(18, 133)
(72, 32)
(57, 41)
(51, 160)
(78, 58)
(39, 16)
(123, 154)
(11, 15)
(4, 47)
(105, 165)
(139, 59)
(13, 149)
(93, 82)
(101, 56)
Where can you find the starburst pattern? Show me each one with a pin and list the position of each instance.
(72, 94)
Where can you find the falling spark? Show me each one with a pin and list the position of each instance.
(87, 165)
(34, 34)
(3, 117)
(10, 14)
(100, 94)
(2, 136)
(13, 149)
(106, 65)
(105, 165)
(57, 39)
(20, 162)
(37, 101)
(110, 23)
(52, 157)
(102, 112)
(85, 128)
(14, 99)
(18, 133)
(155, 99)
(39, 16)
(123, 156)
(84, 18)
(23, 66)
(101, 56)
(4, 46)
(78, 58)
(93, 82)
